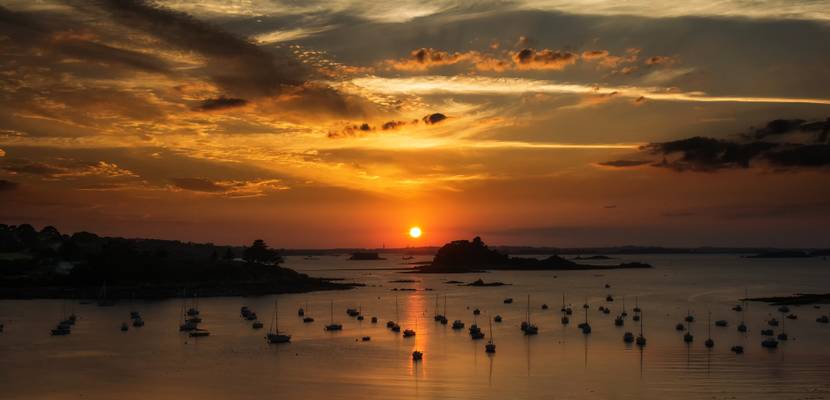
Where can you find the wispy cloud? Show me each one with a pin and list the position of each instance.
(479, 85)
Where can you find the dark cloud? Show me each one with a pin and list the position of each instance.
(434, 118)
(234, 63)
(8, 186)
(48, 35)
(31, 168)
(544, 59)
(707, 154)
(624, 163)
(221, 103)
(197, 185)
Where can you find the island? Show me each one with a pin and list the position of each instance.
(796, 299)
(83, 265)
(468, 256)
(480, 283)
(597, 257)
(365, 256)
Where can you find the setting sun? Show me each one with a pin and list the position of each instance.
(415, 232)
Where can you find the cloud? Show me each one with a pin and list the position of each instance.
(660, 60)
(778, 127)
(426, 58)
(707, 154)
(221, 103)
(68, 169)
(545, 59)
(434, 118)
(229, 188)
(8, 186)
(239, 66)
(624, 163)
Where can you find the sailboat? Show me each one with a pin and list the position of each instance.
(443, 319)
(709, 342)
(637, 304)
(783, 335)
(332, 326)
(490, 347)
(411, 332)
(688, 337)
(103, 301)
(274, 335)
(393, 324)
(124, 327)
(527, 327)
(475, 331)
(586, 328)
(641, 339)
(742, 309)
(624, 313)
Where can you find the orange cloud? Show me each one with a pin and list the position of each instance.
(545, 59)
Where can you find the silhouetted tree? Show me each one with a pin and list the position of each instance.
(229, 254)
(259, 252)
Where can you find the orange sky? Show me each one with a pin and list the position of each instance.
(344, 123)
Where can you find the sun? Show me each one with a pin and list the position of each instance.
(415, 232)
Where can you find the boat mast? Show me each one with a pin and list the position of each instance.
(331, 312)
(445, 306)
(528, 310)
(397, 315)
(276, 316)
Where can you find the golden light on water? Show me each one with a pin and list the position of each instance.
(415, 232)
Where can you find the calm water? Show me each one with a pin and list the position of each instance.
(97, 361)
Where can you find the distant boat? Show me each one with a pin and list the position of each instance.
(475, 331)
(772, 322)
(407, 257)
(822, 319)
(417, 355)
(637, 304)
(738, 349)
(689, 317)
(490, 347)
(767, 332)
(257, 325)
(124, 327)
(365, 256)
(544, 306)
(619, 321)
(784, 309)
(563, 309)
(138, 322)
(274, 335)
(709, 342)
(457, 324)
(623, 313)
(508, 300)
(438, 317)
(374, 320)
(769, 343)
(308, 320)
(721, 323)
(199, 333)
(527, 327)
(408, 333)
(783, 335)
(688, 337)
(641, 339)
(680, 327)
(585, 326)
(300, 312)
(497, 318)
(366, 338)
(476, 311)
(332, 326)
(792, 316)
(609, 298)
(628, 337)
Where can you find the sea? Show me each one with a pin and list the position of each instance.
(156, 361)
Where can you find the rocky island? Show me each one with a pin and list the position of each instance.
(465, 256)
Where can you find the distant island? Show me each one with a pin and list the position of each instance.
(597, 257)
(365, 256)
(786, 254)
(465, 256)
(796, 299)
(48, 264)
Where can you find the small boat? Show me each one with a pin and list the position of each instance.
(767, 332)
(360, 318)
(497, 318)
(737, 308)
(784, 309)
(606, 310)
(352, 312)
(585, 326)
(783, 336)
(737, 349)
(569, 311)
(138, 322)
(124, 327)
(822, 319)
(688, 337)
(609, 298)
(256, 325)
(199, 333)
(637, 304)
(457, 324)
(417, 355)
(490, 347)
(792, 316)
(565, 320)
(628, 337)
(300, 312)
(374, 320)
(641, 339)
(636, 317)
(680, 327)
(476, 312)
(135, 314)
(188, 326)
(508, 300)
(274, 335)
(772, 322)
(770, 343)
(408, 333)
(61, 331)
(475, 332)
(721, 323)
(709, 343)
(438, 317)
(332, 326)
(742, 327)
(390, 324)
(619, 321)
(527, 327)
(544, 306)
(308, 320)
(250, 317)
(689, 318)
(396, 328)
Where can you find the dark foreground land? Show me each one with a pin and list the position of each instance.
(47, 264)
(465, 256)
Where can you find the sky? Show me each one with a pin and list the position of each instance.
(343, 123)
